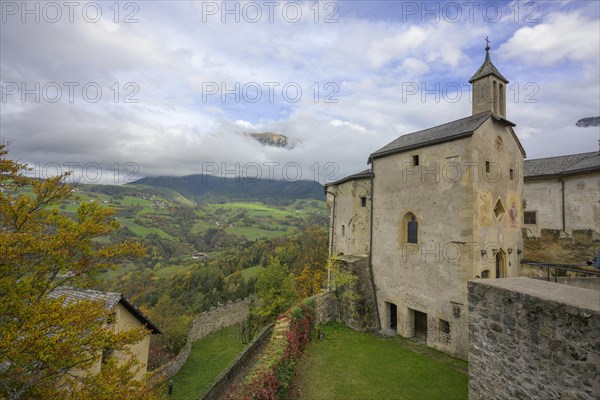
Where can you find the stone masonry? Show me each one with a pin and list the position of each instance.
(208, 322)
(531, 339)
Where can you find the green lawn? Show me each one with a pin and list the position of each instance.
(349, 365)
(249, 273)
(266, 221)
(254, 233)
(209, 357)
(113, 273)
(135, 201)
(143, 231)
(172, 270)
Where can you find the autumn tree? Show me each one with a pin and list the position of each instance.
(47, 343)
(275, 289)
(306, 253)
(172, 317)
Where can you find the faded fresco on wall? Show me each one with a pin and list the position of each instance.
(513, 211)
(484, 203)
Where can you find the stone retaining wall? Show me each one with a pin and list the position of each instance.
(360, 311)
(326, 307)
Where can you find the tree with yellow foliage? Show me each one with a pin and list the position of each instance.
(46, 343)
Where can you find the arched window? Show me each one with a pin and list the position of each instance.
(502, 101)
(485, 274)
(408, 229)
(412, 230)
(495, 99)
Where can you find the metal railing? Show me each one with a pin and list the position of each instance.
(563, 267)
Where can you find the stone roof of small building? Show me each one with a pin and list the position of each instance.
(366, 174)
(562, 165)
(447, 132)
(110, 300)
(487, 68)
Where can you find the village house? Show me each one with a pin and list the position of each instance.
(437, 208)
(126, 316)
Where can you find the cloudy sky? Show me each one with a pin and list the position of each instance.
(169, 88)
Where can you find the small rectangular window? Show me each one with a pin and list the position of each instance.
(444, 331)
(415, 160)
(343, 230)
(530, 218)
(487, 167)
(512, 174)
(444, 327)
(363, 201)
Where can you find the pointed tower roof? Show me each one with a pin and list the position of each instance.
(487, 68)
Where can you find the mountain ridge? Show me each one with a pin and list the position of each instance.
(201, 188)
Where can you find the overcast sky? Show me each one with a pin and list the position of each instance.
(168, 88)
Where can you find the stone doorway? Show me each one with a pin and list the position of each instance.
(420, 326)
(500, 269)
(391, 311)
(393, 316)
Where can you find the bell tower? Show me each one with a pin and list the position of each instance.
(489, 87)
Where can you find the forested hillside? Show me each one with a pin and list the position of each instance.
(207, 188)
(202, 249)
(203, 253)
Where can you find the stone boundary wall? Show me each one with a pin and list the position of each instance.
(217, 389)
(208, 322)
(326, 310)
(554, 246)
(531, 339)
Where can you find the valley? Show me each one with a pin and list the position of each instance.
(203, 247)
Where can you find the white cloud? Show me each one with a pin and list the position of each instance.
(245, 125)
(171, 54)
(561, 37)
(349, 125)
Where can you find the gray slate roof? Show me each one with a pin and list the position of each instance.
(73, 295)
(562, 165)
(110, 300)
(487, 68)
(366, 174)
(447, 132)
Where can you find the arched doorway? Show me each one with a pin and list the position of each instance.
(500, 267)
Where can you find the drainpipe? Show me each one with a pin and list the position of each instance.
(331, 230)
(371, 247)
(562, 182)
